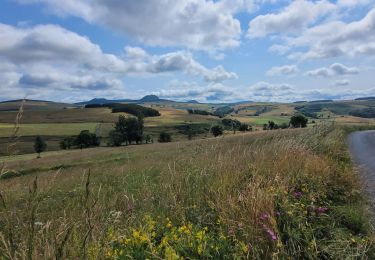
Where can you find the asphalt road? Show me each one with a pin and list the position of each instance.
(362, 149)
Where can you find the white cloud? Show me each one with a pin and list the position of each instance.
(196, 24)
(336, 38)
(335, 69)
(49, 56)
(353, 3)
(298, 15)
(342, 82)
(286, 70)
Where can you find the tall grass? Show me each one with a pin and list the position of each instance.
(285, 194)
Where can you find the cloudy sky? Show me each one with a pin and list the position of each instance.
(207, 50)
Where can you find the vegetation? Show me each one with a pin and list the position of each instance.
(217, 130)
(199, 112)
(39, 145)
(165, 137)
(289, 194)
(128, 130)
(298, 121)
(223, 111)
(364, 112)
(136, 110)
(86, 139)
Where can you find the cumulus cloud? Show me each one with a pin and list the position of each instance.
(336, 69)
(298, 15)
(49, 56)
(336, 38)
(212, 92)
(203, 25)
(353, 3)
(286, 70)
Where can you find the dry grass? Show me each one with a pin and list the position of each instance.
(99, 196)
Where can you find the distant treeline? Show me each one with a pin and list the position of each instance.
(364, 112)
(132, 109)
(219, 112)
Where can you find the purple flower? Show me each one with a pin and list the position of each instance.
(264, 216)
(271, 234)
(321, 210)
(297, 194)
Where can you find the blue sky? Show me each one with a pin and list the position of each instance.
(223, 50)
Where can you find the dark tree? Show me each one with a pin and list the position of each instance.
(298, 121)
(245, 127)
(149, 139)
(115, 138)
(271, 125)
(67, 143)
(130, 128)
(39, 145)
(164, 137)
(86, 139)
(217, 130)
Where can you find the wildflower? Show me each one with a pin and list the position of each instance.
(264, 216)
(297, 194)
(271, 234)
(321, 210)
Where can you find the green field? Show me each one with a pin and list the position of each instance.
(57, 129)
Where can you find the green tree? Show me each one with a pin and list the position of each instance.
(115, 138)
(67, 143)
(298, 121)
(130, 128)
(217, 130)
(164, 137)
(86, 139)
(39, 145)
(149, 139)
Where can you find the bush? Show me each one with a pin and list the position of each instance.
(164, 137)
(39, 145)
(217, 130)
(67, 143)
(86, 139)
(298, 121)
(245, 127)
(115, 138)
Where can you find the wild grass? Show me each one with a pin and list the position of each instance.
(281, 194)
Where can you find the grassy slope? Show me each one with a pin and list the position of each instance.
(254, 195)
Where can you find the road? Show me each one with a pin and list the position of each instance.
(362, 149)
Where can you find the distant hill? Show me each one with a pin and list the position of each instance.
(145, 99)
(192, 102)
(365, 98)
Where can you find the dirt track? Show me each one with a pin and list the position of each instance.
(362, 149)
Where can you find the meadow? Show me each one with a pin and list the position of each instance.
(276, 194)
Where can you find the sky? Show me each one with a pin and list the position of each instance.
(204, 50)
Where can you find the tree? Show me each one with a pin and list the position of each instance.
(39, 145)
(298, 121)
(164, 137)
(217, 130)
(271, 125)
(115, 138)
(67, 143)
(149, 139)
(130, 128)
(245, 127)
(86, 139)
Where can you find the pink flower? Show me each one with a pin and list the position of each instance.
(297, 194)
(264, 216)
(321, 210)
(271, 234)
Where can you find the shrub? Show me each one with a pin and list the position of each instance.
(67, 143)
(86, 139)
(39, 145)
(164, 137)
(115, 138)
(298, 121)
(217, 130)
